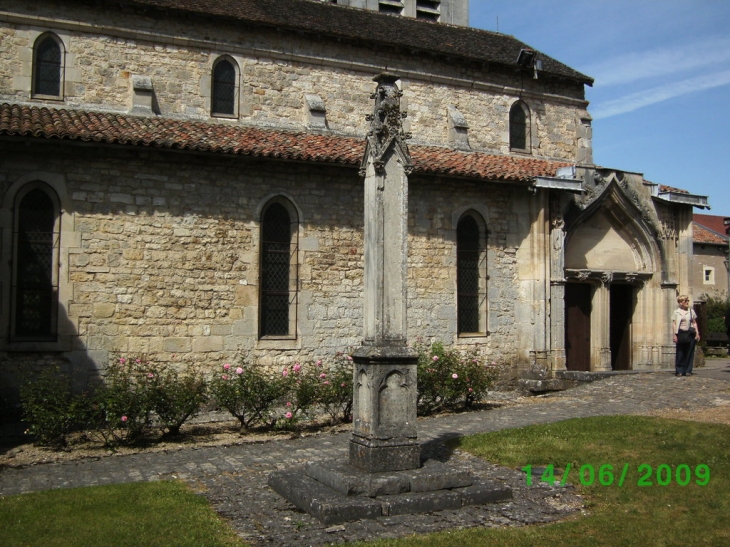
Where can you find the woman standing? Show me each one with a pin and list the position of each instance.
(685, 336)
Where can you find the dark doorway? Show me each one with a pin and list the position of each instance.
(622, 308)
(578, 326)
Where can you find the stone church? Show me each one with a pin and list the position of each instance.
(180, 180)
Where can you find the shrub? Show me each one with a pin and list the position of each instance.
(716, 308)
(336, 389)
(175, 398)
(301, 392)
(248, 393)
(120, 410)
(49, 407)
(448, 378)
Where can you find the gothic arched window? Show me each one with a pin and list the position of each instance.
(471, 274)
(519, 127)
(36, 239)
(277, 306)
(48, 66)
(224, 91)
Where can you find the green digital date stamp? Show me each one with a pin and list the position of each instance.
(607, 475)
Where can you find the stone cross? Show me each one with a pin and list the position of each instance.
(384, 407)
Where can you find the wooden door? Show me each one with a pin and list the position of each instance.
(578, 326)
(621, 310)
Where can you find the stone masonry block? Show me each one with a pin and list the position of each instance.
(178, 345)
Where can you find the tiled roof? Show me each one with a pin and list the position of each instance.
(343, 23)
(713, 222)
(701, 234)
(165, 133)
(664, 188)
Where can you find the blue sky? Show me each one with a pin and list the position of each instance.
(661, 98)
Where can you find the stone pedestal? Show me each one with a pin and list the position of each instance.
(384, 410)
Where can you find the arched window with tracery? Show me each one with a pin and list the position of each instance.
(48, 55)
(471, 274)
(224, 88)
(36, 238)
(519, 127)
(277, 306)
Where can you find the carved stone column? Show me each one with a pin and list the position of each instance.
(384, 407)
(557, 286)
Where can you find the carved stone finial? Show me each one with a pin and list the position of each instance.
(386, 128)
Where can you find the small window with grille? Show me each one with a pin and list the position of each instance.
(48, 66)
(36, 240)
(224, 88)
(519, 127)
(278, 285)
(471, 275)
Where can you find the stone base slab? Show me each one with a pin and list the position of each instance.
(303, 489)
(348, 481)
(374, 457)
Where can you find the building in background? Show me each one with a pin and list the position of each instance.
(180, 181)
(710, 265)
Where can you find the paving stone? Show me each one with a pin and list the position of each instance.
(264, 518)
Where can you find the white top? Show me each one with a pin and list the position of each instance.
(682, 319)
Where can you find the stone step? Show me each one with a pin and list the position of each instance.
(345, 479)
(331, 506)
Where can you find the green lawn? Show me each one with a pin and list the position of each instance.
(169, 514)
(164, 514)
(631, 515)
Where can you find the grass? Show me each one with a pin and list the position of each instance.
(151, 514)
(631, 515)
(168, 514)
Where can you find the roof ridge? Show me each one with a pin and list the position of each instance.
(245, 140)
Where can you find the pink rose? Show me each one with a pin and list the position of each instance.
(470, 390)
(285, 372)
(435, 357)
(124, 418)
(326, 382)
(122, 360)
(225, 376)
(323, 375)
(239, 370)
(288, 415)
(227, 366)
(297, 367)
(288, 403)
(319, 363)
(454, 376)
(150, 375)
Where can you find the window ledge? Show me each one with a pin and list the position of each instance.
(466, 336)
(282, 343)
(36, 346)
(55, 98)
(224, 116)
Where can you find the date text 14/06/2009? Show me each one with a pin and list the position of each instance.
(607, 475)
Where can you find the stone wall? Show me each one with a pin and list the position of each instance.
(160, 257)
(277, 70)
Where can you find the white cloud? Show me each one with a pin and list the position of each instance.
(640, 99)
(637, 66)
